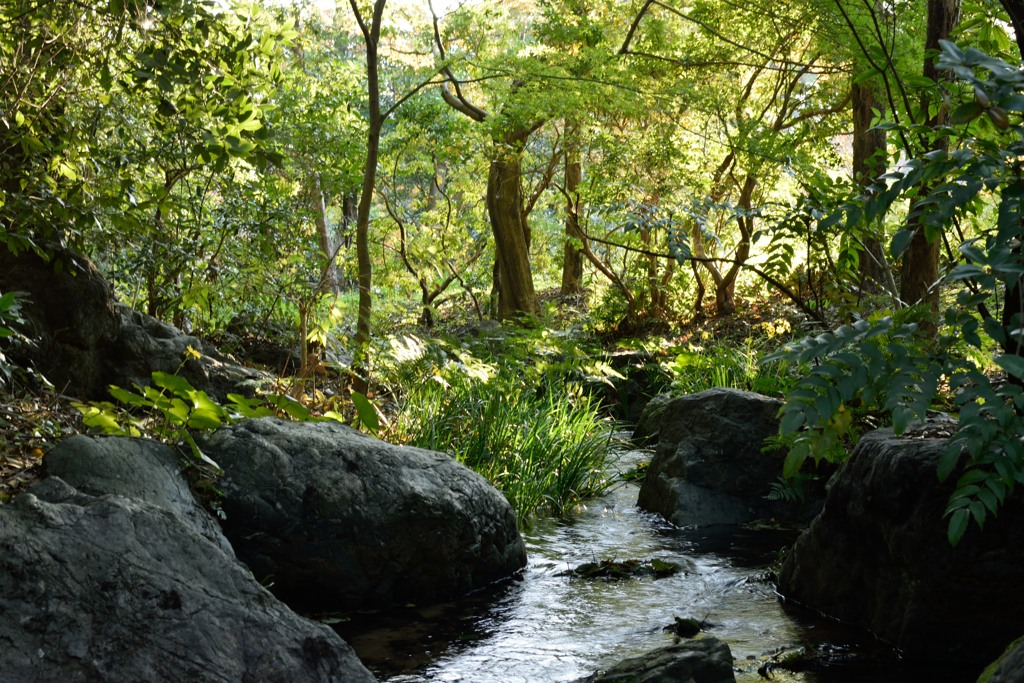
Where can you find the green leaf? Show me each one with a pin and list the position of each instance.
(965, 271)
(97, 418)
(957, 525)
(966, 113)
(198, 453)
(177, 412)
(795, 460)
(901, 242)
(291, 407)
(248, 407)
(173, 383)
(1014, 365)
(202, 418)
(250, 125)
(989, 499)
(130, 397)
(1013, 103)
(792, 420)
(366, 411)
(977, 512)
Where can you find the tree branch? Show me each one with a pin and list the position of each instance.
(456, 101)
(789, 293)
(634, 26)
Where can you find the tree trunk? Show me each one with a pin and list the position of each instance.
(919, 272)
(698, 303)
(516, 295)
(725, 298)
(869, 145)
(350, 214)
(1015, 9)
(659, 300)
(327, 240)
(725, 289)
(371, 34)
(697, 242)
(572, 254)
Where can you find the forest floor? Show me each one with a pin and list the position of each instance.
(30, 424)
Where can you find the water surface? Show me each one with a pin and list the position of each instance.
(549, 626)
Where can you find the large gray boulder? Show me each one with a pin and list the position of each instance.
(125, 587)
(83, 341)
(877, 556)
(140, 469)
(69, 318)
(1009, 668)
(710, 466)
(707, 660)
(648, 426)
(336, 520)
(145, 345)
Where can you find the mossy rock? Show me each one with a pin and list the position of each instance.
(615, 570)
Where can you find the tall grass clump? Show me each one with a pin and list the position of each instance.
(540, 439)
(696, 368)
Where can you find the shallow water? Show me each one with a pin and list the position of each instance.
(552, 627)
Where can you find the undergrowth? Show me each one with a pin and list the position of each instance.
(534, 432)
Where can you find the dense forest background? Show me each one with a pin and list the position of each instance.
(370, 183)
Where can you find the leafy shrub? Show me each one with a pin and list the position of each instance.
(171, 408)
(10, 317)
(887, 360)
(696, 368)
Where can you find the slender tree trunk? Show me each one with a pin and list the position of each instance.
(697, 241)
(572, 254)
(154, 300)
(725, 288)
(919, 273)
(651, 268)
(661, 305)
(698, 303)
(327, 240)
(869, 149)
(371, 35)
(516, 294)
(1015, 9)
(350, 214)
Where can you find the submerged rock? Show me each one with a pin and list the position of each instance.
(614, 570)
(707, 660)
(710, 466)
(878, 556)
(338, 520)
(131, 586)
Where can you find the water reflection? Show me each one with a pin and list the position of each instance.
(551, 627)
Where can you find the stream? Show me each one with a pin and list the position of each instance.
(549, 626)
